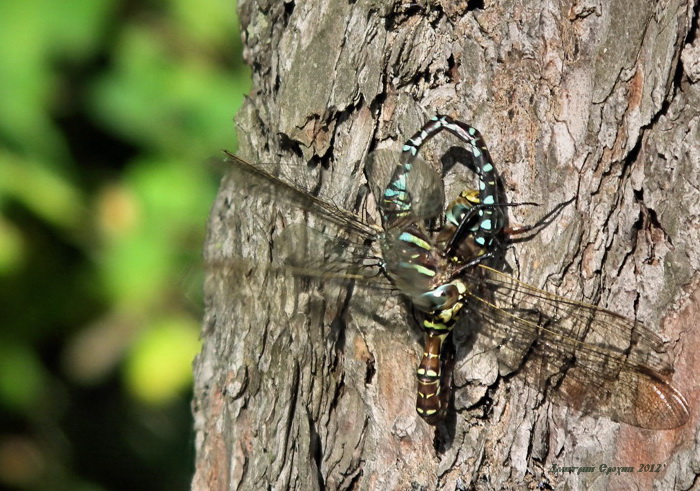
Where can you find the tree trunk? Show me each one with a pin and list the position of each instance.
(301, 386)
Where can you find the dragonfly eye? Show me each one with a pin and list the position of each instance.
(440, 298)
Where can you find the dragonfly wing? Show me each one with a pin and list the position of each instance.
(308, 251)
(589, 358)
(264, 180)
(336, 245)
(423, 185)
(410, 195)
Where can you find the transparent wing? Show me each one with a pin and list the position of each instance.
(424, 185)
(410, 196)
(260, 180)
(580, 355)
(337, 244)
(310, 252)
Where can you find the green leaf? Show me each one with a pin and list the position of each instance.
(159, 367)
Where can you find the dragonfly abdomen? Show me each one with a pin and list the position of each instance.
(490, 220)
(433, 391)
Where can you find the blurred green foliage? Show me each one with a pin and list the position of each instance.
(108, 112)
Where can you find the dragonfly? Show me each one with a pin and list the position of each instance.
(443, 260)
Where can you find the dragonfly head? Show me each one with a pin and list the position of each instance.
(461, 206)
(441, 298)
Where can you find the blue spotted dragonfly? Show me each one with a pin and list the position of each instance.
(441, 258)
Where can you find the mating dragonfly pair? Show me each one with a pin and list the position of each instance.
(581, 355)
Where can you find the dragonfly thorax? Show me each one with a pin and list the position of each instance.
(421, 270)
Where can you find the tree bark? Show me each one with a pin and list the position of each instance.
(301, 386)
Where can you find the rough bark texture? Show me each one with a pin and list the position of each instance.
(307, 387)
